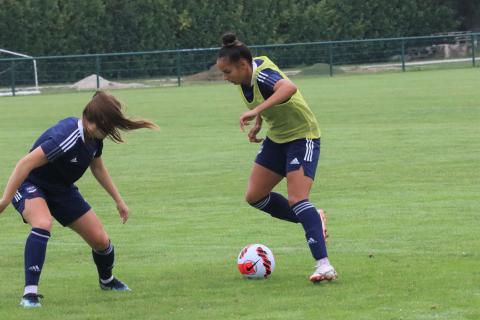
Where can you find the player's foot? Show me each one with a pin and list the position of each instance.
(323, 272)
(323, 218)
(31, 300)
(115, 285)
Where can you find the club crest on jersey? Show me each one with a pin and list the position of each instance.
(31, 189)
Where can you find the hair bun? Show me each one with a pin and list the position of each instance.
(229, 39)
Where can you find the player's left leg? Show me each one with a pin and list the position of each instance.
(298, 191)
(302, 159)
(89, 227)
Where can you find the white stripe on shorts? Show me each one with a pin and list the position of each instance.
(309, 151)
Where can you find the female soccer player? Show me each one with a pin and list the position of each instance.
(291, 148)
(42, 186)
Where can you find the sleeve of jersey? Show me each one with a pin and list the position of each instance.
(51, 149)
(54, 150)
(266, 81)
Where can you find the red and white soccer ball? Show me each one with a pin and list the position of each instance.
(256, 261)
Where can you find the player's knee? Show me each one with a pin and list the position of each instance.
(252, 198)
(44, 223)
(292, 199)
(100, 241)
(249, 198)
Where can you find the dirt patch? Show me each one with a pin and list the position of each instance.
(212, 74)
(90, 82)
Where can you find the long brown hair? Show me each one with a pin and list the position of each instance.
(105, 111)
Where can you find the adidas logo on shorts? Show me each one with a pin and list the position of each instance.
(294, 161)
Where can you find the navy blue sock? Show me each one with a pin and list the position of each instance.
(35, 251)
(277, 206)
(310, 219)
(104, 261)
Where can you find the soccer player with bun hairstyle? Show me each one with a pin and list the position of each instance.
(291, 148)
(41, 187)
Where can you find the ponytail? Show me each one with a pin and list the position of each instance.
(106, 112)
(233, 49)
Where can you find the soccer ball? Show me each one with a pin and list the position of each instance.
(256, 261)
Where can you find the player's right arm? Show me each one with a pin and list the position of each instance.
(34, 159)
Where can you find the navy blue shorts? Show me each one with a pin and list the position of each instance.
(65, 206)
(290, 156)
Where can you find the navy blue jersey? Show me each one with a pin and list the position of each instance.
(266, 81)
(69, 155)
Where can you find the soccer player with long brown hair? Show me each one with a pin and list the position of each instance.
(41, 187)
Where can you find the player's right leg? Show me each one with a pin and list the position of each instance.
(259, 194)
(37, 214)
(268, 170)
(262, 181)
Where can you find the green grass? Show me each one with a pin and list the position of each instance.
(399, 176)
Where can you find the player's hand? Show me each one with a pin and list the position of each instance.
(3, 204)
(246, 117)
(252, 135)
(123, 211)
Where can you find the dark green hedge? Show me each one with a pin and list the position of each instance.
(54, 27)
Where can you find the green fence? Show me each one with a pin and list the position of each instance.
(176, 67)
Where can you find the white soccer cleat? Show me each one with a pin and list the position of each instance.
(323, 272)
(323, 218)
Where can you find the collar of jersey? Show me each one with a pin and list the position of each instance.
(254, 67)
(80, 128)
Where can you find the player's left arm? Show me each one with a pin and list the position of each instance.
(283, 90)
(100, 173)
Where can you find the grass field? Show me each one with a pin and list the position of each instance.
(399, 176)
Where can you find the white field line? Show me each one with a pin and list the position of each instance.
(415, 63)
